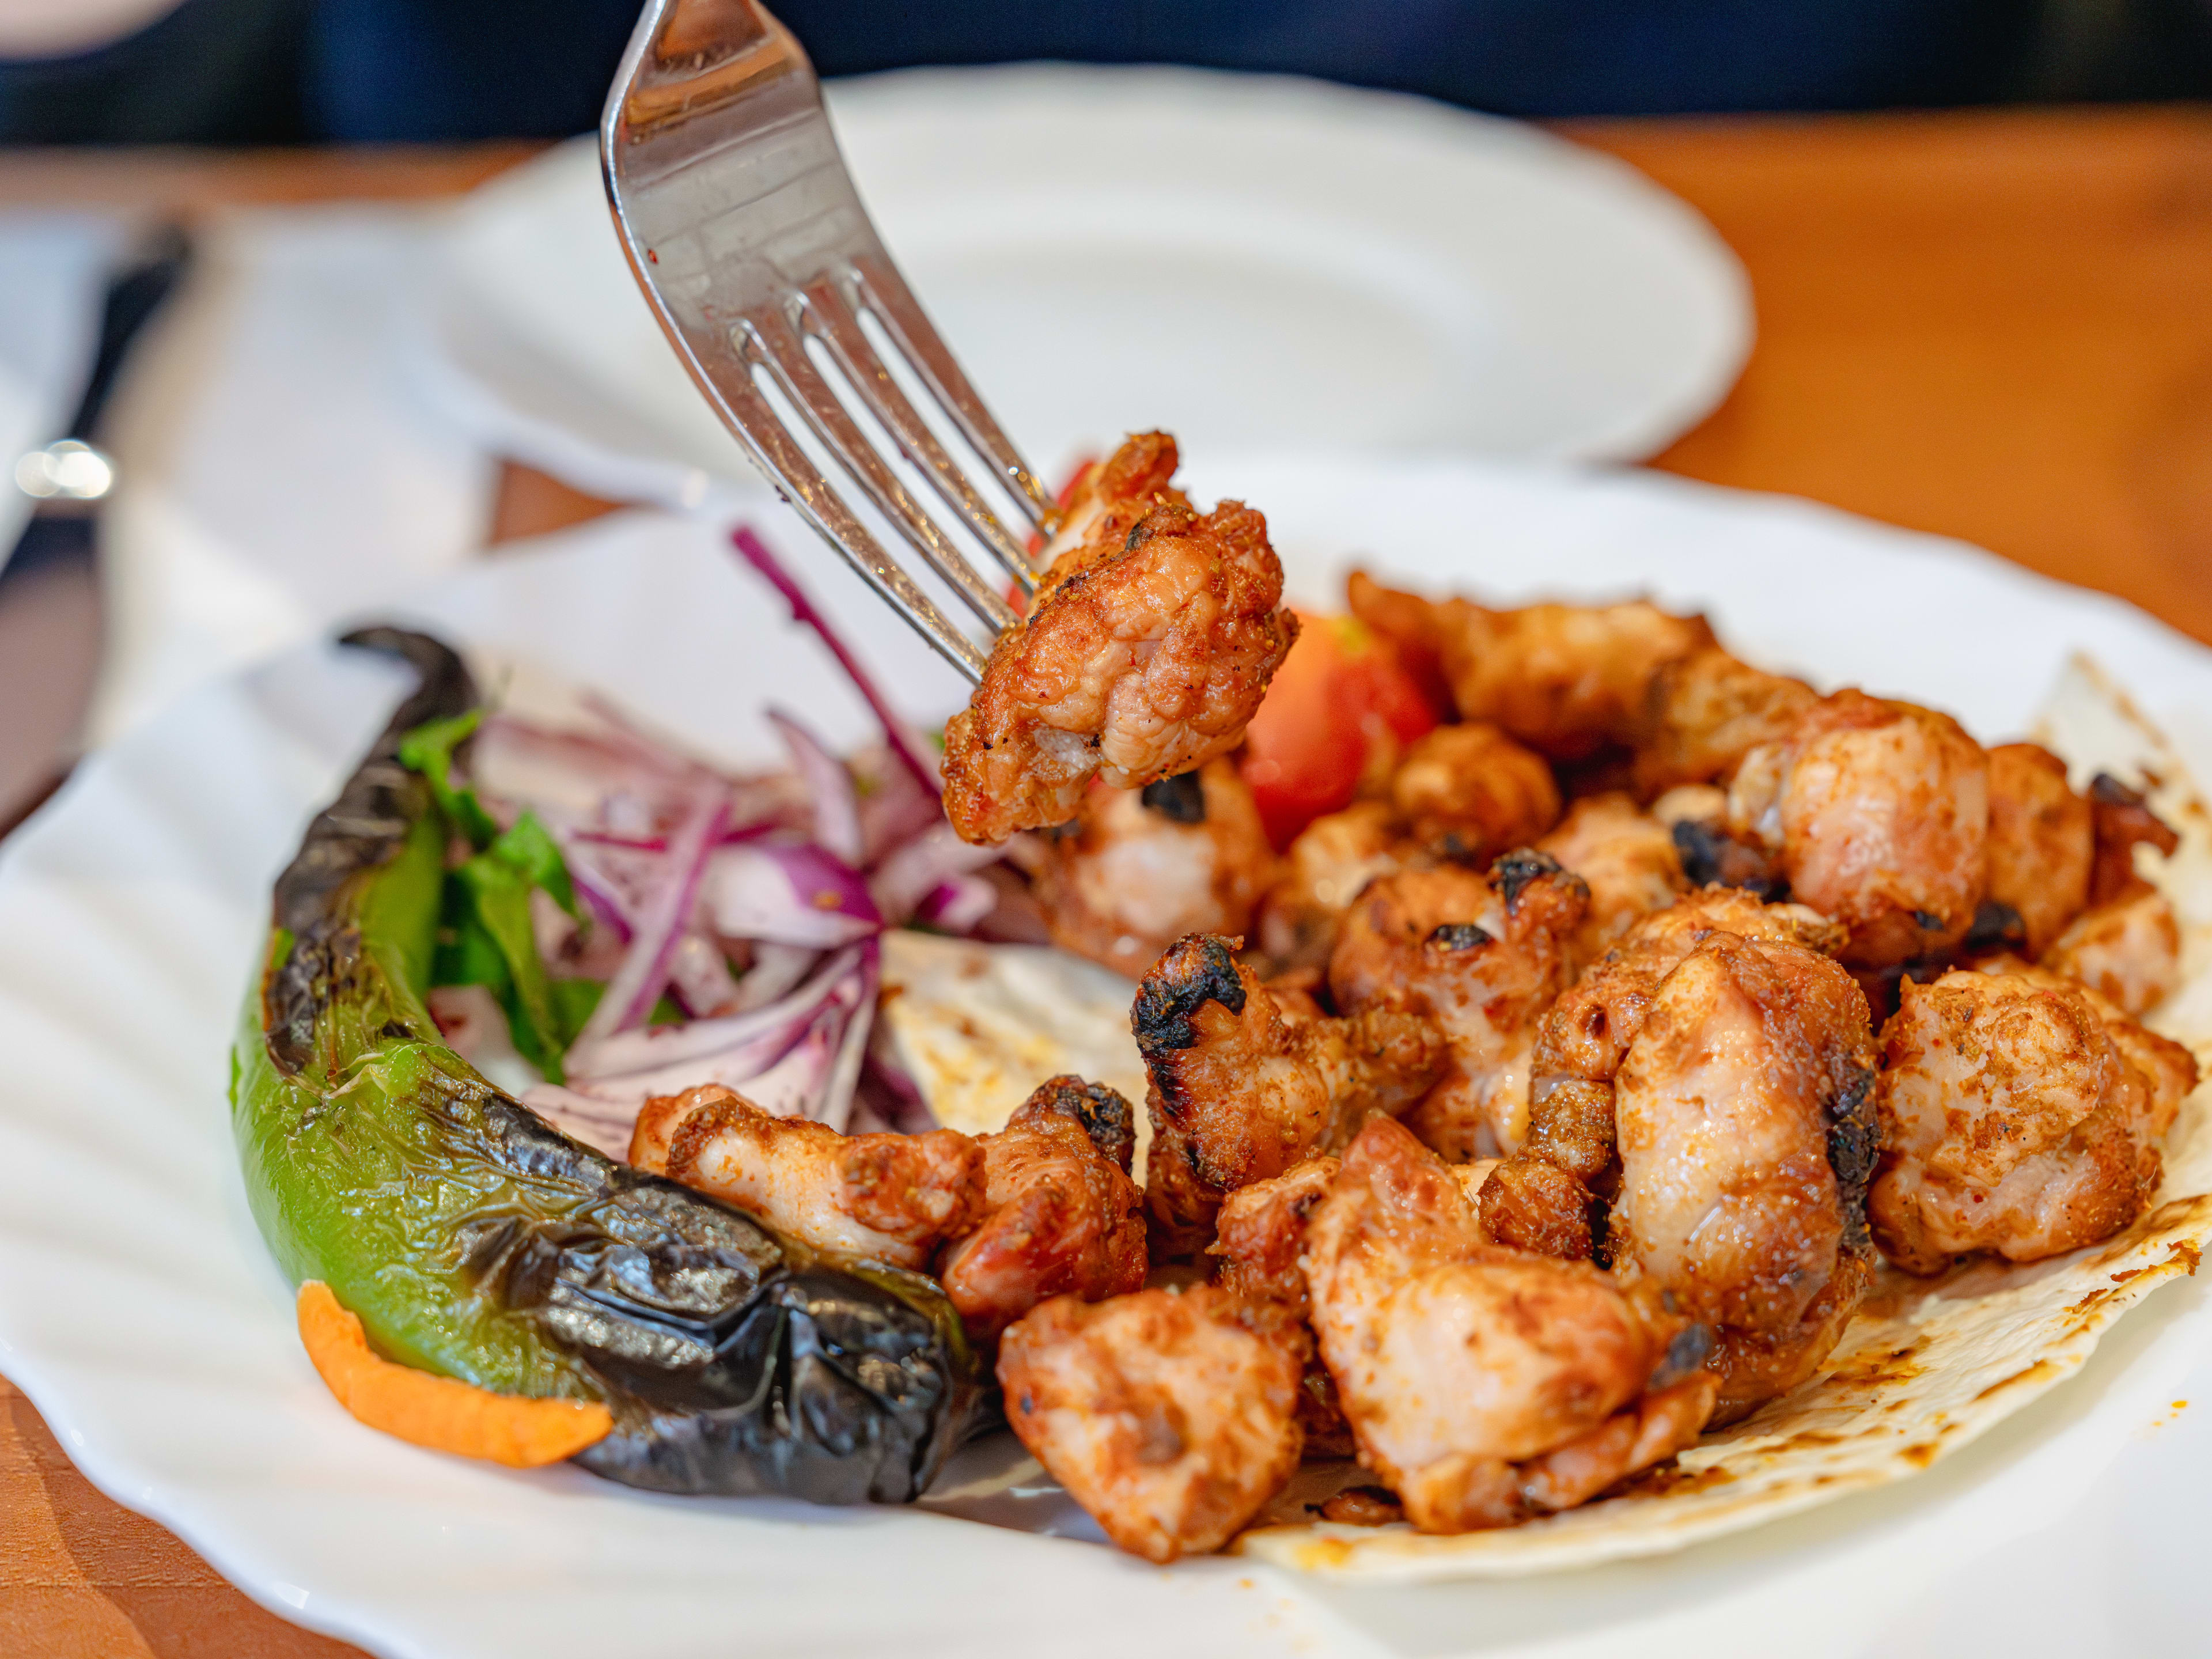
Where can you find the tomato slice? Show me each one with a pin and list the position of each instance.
(1341, 693)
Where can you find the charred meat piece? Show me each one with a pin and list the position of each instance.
(1261, 1233)
(1060, 1215)
(1627, 859)
(1171, 1417)
(1567, 680)
(1238, 1094)
(1706, 711)
(1482, 957)
(1150, 642)
(2127, 950)
(1484, 1385)
(1322, 872)
(1129, 877)
(1741, 1117)
(2123, 819)
(1260, 1242)
(2042, 841)
(1877, 814)
(1542, 1197)
(2021, 1116)
(1470, 792)
(1712, 857)
(885, 1197)
(1761, 1142)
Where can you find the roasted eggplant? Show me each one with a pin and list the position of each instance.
(477, 1242)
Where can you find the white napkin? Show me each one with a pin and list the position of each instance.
(279, 471)
(51, 270)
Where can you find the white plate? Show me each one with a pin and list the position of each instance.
(1247, 261)
(141, 1313)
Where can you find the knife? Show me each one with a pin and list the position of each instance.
(69, 477)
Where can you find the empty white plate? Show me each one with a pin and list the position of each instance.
(1250, 262)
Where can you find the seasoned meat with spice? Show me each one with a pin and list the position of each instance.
(1261, 1232)
(1060, 1215)
(1706, 711)
(2021, 1115)
(2042, 840)
(1733, 1139)
(887, 1197)
(1484, 1385)
(2127, 950)
(1137, 869)
(1482, 959)
(1172, 1418)
(1470, 792)
(1626, 858)
(1566, 679)
(1741, 1118)
(1877, 813)
(1150, 643)
(1238, 1094)
(1325, 868)
(1258, 1244)
(1696, 819)
(1540, 1198)
(2124, 822)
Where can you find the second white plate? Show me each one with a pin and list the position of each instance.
(1251, 261)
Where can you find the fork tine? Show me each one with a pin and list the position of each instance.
(771, 339)
(887, 296)
(832, 321)
(727, 379)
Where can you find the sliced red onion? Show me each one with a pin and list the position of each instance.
(894, 809)
(625, 736)
(599, 1124)
(910, 872)
(904, 740)
(801, 1058)
(621, 843)
(777, 970)
(619, 783)
(837, 804)
(700, 976)
(607, 910)
(601, 894)
(591, 1058)
(472, 1024)
(788, 894)
(816, 1076)
(834, 1106)
(627, 843)
(957, 906)
(888, 1092)
(637, 984)
(568, 777)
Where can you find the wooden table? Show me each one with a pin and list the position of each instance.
(1993, 326)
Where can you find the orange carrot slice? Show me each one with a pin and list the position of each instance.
(437, 1412)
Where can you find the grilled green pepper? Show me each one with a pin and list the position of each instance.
(476, 1240)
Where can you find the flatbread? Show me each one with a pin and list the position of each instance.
(977, 1027)
(1926, 1367)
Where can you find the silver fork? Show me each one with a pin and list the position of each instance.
(742, 226)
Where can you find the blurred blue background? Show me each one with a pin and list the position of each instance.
(291, 71)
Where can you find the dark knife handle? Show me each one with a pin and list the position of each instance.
(135, 293)
(51, 538)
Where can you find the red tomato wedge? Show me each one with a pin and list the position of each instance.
(1342, 692)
